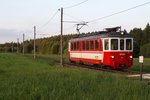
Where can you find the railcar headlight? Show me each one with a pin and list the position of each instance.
(131, 57)
(122, 33)
(112, 57)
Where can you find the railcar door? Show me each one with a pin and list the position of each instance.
(123, 56)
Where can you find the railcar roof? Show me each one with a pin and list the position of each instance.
(98, 35)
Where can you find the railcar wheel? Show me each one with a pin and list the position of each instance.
(102, 65)
(81, 62)
(99, 65)
(71, 61)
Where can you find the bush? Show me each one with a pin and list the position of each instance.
(145, 50)
(136, 50)
(55, 48)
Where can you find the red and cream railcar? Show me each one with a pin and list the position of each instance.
(104, 48)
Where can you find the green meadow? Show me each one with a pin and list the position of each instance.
(25, 78)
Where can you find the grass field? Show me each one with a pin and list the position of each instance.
(23, 78)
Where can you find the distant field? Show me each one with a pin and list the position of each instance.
(23, 78)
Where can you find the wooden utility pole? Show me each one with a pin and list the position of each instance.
(17, 45)
(12, 47)
(61, 36)
(34, 41)
(23, 44)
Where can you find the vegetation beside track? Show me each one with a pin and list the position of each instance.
(135, 67)
(23, 78)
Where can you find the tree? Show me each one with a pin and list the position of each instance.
(146, 33)
(137, 35)
(55, 48)
(145, 50)
(136, 50)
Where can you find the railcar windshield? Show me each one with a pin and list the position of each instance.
(106, 44)
(121, 44)
(128, 44)
(118, 44)
(114, 44)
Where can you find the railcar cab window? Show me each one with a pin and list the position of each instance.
(96, 44)
(106, 44)
(121, 44)
(83, 45)
(128, 44)
(92, 45)
(114, 44)
(71, 46)
(87, 45)
(77, 45)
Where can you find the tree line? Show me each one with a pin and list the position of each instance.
(142, 41)
(51, 45)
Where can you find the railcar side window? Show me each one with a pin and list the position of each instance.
(71, 46)
(114, 44)
(77, 45)
(106, 44)
(87, 45)
(96, 44)
(92, 45)
(83, 45)
(128, 44)
(121, 44)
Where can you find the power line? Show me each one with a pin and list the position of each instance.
(76, 4)
(63, 13)
(79, 21)
(50, 19)
(72, 17)
(69, 28)
(119, 12)
(74, 22)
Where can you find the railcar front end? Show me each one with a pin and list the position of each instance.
(118, 52)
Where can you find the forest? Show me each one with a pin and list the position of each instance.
(51, 45)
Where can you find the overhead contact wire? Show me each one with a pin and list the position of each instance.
(75, 4)
(119, 12)
(50, 19)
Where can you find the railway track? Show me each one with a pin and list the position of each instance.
(91, 67)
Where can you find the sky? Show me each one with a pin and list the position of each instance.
(20, 16)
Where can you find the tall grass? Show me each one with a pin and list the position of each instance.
(23, 78)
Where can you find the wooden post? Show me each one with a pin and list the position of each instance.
(61, 52)
(141, 70)
(23, 44)
(141, 66)
(17, 45)
(34, 41)
(12, 47)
